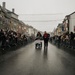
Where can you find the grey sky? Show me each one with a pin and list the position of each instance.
(56, 8)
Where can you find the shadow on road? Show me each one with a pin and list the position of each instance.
(45, 54)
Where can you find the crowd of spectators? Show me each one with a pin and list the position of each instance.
(66, 40)
(10, 39)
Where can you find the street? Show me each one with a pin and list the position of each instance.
(29, 61)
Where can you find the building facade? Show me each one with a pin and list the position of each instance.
(72, 22)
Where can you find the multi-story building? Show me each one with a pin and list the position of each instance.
(31, 31)
(66, 24)
(8, 19)
(60, 28)
(10, 13)
(71, 22)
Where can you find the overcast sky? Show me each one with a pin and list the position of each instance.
(43, 15)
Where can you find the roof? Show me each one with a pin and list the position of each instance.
(12, 12)
(6, 14)
(8, 11)
(70, 14)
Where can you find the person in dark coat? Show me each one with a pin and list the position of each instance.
(46, 38)
(71, 39)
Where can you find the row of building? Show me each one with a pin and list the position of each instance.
(67, 25)
(9, 21)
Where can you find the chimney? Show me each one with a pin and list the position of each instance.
(13, 10)
(4, 3)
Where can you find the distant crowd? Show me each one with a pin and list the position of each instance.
(65, 40)
(10, 39)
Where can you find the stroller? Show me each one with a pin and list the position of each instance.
(38, 44)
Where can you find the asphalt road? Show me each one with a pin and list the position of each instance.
(29, 61)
